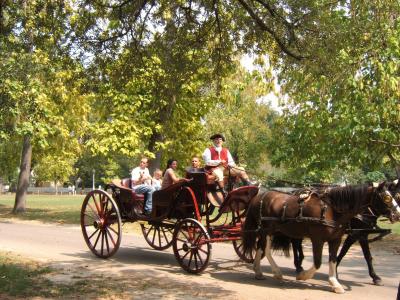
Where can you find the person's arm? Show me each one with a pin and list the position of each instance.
(207, 159)
(173, 177)
(231, 162)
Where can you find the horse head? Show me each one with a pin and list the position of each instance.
(394, 189)
(384, 203)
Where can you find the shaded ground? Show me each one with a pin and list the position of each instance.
(137, 271)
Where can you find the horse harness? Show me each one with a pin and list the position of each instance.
(304, 196)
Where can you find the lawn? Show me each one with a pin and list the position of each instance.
(45, 208)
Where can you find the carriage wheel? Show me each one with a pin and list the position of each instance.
(191, 245)
(238, 246)
(101, 223)
(158, 236)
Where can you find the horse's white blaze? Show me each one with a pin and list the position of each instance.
(336, 286)
(395, 181)
(275, 269)
(396, 205)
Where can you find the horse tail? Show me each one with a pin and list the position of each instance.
(281, 242)
(249, 228)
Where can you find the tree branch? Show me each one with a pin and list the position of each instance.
(386, 143)
(260, 23)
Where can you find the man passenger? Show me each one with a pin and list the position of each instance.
(140, 184)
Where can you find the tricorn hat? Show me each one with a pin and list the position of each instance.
(216, 136)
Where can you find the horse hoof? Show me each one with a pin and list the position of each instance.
(377, 281)
(301, 276)
(338, 290)
(260, 277)
(278, 276)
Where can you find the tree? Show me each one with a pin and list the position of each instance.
(243, 117)
(342, 106)
(43, 102)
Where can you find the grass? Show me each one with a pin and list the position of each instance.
(23, 278)
(45, 208)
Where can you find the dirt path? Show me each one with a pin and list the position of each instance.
(154, 274)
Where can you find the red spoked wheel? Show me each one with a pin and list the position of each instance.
(101, 223)
(158, 235)
(191, 244)
(246, 257)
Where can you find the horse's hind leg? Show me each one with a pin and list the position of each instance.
(333, 248)
(275, 269)
(258, 256)
(368, 258)
(298, 255)
(317, 246)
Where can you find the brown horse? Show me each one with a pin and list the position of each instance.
(360, 227)
(320, 216)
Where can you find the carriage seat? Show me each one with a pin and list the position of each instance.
(163, 198)
(126, 184)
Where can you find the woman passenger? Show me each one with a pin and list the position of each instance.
(169, 174)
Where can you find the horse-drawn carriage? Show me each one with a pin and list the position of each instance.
(182, 216)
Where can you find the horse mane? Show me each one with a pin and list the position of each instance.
(348, 198)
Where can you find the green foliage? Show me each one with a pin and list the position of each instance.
(243, 117)
(341, 106)
(42, 92)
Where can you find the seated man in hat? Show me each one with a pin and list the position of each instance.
(219, 159)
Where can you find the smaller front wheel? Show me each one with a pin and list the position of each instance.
(246, 257)
(158, 235)
(191, 244)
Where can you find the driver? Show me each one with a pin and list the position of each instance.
(218, 159)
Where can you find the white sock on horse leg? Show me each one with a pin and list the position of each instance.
(257, 264)
(275, 269)
(336, 286)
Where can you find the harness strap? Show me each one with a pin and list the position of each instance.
(323, 210)
(283, 218)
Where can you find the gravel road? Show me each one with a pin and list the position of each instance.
(226, 278)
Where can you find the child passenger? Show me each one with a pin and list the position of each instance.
(156, 182)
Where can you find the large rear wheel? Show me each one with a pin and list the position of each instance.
(191, 244)
(158, 235)
(101, 223)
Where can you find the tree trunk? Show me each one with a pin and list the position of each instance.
(23, 178)
(156, 162)
(164, 117)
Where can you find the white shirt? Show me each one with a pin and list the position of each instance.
(215, 162)
(136, 172)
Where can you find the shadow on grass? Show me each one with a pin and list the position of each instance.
(42, 215)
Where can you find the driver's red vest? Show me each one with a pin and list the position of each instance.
(222, 156)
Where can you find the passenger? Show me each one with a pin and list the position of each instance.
(157, 179)
(169, 176)
(140, 184)
(195, 165)
(218, 159)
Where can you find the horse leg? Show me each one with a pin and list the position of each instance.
(298, 255)
(317, 246)
(333, 248)
(368, 258)
(258, 256)
(275, 269)
(349, 241)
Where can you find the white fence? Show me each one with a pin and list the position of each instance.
(60, 190)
